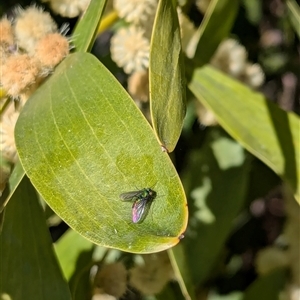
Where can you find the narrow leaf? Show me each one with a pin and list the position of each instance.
(166, 76)
(181, 270)
(86, 28)
(216, 180)
(13, 182)
(68, 249)
(28, 267)
(293, 11)
(261, 127)
(75, 257)
(267, 287)
(216, 26)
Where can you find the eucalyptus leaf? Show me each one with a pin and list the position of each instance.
(83, 142)
(166, 76)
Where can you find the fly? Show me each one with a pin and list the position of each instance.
(142, 201)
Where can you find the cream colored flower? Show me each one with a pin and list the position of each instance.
(7, 138)
(203, 5)
(5, 171)
(187, 29)
(230, 57)
(103, 297)
(4, 54)
(111, 280)
(51, 50)
(136, 11)
(138, 86)
(68, 8)
(294, 292)
(130, 49)
(6, 32)
(151, 277)
(19, 72)
(206, 117)
(253, 75)
(30, 25)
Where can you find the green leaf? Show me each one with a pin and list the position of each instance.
(267, 287)
(216, 180)
(231, 296)
(83, 142)
(13, 182)
(170, 293)
(9, 181)
(166, 76)
(293, 11)
(86, 29)
(28, 267)
(68, 249)
(182, 272)
(265, 130)
(75, 257)
(215, 26)
(253, 11)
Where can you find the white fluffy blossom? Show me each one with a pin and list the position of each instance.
(7, 138)
(130, 49)
(68, 8)
(136, 11)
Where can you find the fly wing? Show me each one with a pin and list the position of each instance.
(139, 210)
(130, 195)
